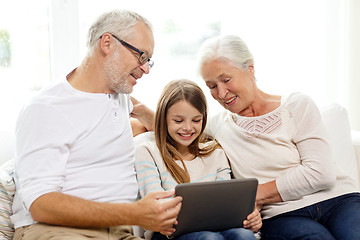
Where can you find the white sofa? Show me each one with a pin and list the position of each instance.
(345, 145)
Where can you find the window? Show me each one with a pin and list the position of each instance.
(5, 53)
(24, 60)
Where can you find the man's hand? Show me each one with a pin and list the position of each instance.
(156, 215)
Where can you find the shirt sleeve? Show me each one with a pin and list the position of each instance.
(42, 140)
(315, 171)
(223, 171)
(147, 172)
(211, 126)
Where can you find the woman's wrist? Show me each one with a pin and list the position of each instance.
(267, 193)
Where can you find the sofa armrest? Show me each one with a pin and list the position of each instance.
(355, 135)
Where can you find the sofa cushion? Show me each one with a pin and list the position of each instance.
(7, 192)
(337, 123)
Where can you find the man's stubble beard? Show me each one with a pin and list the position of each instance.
(118, 80)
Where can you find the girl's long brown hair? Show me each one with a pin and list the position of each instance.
(174, 92)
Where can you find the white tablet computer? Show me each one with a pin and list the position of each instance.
(215, 206)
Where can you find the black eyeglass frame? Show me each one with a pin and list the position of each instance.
(143, 56)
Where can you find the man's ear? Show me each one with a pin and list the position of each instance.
(105, 43)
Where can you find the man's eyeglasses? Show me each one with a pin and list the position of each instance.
(143, 56)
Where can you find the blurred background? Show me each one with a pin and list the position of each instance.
(309, 46)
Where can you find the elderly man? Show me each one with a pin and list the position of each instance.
(75, 174)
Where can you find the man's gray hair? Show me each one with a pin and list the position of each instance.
(117, 22)
(230, 48)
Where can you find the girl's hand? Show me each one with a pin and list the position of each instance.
(253, 221)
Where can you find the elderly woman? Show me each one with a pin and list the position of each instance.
(281, 141)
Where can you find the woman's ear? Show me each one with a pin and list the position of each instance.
(251, 70)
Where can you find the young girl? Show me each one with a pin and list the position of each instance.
(177, 153)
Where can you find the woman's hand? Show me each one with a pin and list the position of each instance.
(253, 221)
(143, 114)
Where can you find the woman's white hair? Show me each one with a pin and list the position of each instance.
(117, 22)
(230, 48)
